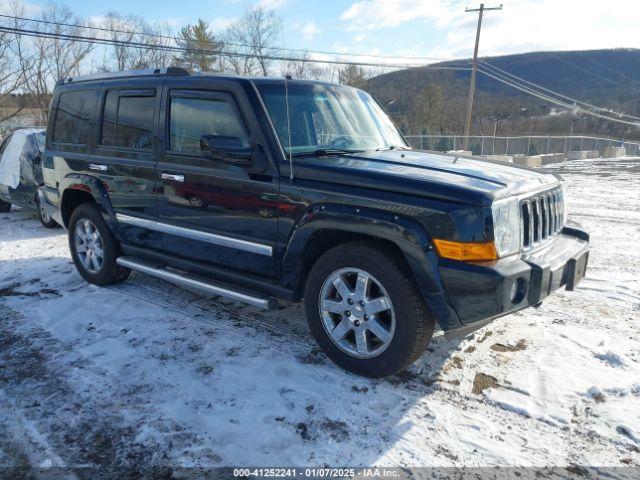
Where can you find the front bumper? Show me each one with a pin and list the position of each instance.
(481, 292)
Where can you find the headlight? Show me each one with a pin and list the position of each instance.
(506, 226)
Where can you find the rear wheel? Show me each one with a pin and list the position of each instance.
(43, 216)
(93, 247)
(365, 311)
(4, 206)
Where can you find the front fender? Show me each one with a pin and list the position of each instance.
(407, 234)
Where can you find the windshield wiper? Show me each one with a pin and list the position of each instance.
(318, 152)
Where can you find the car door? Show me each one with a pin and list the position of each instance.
(124, 157)
(213, 211)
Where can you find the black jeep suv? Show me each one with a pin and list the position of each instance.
(263, 190)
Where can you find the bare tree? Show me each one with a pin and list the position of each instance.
(427, 109)
(11, 80)
(255, 36)
(123, 30)
(45, 60)
(66, 56)
(31, 58)
(159, 37)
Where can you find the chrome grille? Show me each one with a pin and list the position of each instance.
(541, 217)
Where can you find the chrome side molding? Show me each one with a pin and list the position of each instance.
(229, 242)
(267, 303)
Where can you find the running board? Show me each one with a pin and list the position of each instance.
(268, 303)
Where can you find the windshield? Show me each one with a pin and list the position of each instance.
(328, 117)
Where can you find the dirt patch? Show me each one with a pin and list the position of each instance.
(485, 336)
(11, 291)
(336, 429)
(501, 347)
(302, 429)
(440, 450)
(481, 382)
(314, 357)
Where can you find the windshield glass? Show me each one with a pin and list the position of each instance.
(328, 117)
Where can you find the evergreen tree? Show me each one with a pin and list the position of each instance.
(201, 47)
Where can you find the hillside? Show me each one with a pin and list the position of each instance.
(608, 78)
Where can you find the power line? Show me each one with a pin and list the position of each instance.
(177, 49)
(587, 71)
(621, 75)
(234, 44)
(552, 92)
(549, 99)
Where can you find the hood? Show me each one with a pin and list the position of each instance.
(441, 176)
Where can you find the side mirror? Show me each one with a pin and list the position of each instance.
(226, 148)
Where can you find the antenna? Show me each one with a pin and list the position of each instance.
(286, 100)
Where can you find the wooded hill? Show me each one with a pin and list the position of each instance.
(435, 101)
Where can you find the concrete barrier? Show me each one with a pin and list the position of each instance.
(531, 161)
(500, 158)
(614, 152)
(578, 155)
(548, 158)
(593, 154)
(466, 153)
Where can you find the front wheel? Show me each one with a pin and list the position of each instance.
(4, 207)
(93, 247)
(365, 311)
(43, 216)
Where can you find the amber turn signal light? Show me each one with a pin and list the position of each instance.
(466, 251)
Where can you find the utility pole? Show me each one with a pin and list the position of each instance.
(474, 69)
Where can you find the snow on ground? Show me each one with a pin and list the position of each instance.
(146, 373)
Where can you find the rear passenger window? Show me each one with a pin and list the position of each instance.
(72, 117)
(191, 118)
(128, 119)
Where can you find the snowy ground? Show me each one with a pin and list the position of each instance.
(145, 373)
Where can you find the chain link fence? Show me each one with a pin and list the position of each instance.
(521, 145)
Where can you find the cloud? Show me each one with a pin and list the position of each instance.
(271, 4)
(519, 27)
(29, 9)
(366, 15)
(219, 24)
(308, 30)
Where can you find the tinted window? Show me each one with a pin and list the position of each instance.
(72, 117)
(191, 118)
(128, 120)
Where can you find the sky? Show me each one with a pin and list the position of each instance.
(425, 30)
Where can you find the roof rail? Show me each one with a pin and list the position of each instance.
(165, 71)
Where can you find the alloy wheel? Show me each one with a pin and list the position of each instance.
(89, 247)
(357, 312)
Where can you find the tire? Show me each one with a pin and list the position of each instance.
(45, 219)
(408, 325)
(106, 271)
(4, 207)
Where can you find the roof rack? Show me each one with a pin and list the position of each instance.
(165, 71)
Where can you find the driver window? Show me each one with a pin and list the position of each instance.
(191, 118)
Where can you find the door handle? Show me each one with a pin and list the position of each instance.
(172, 176)
(98, 167)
